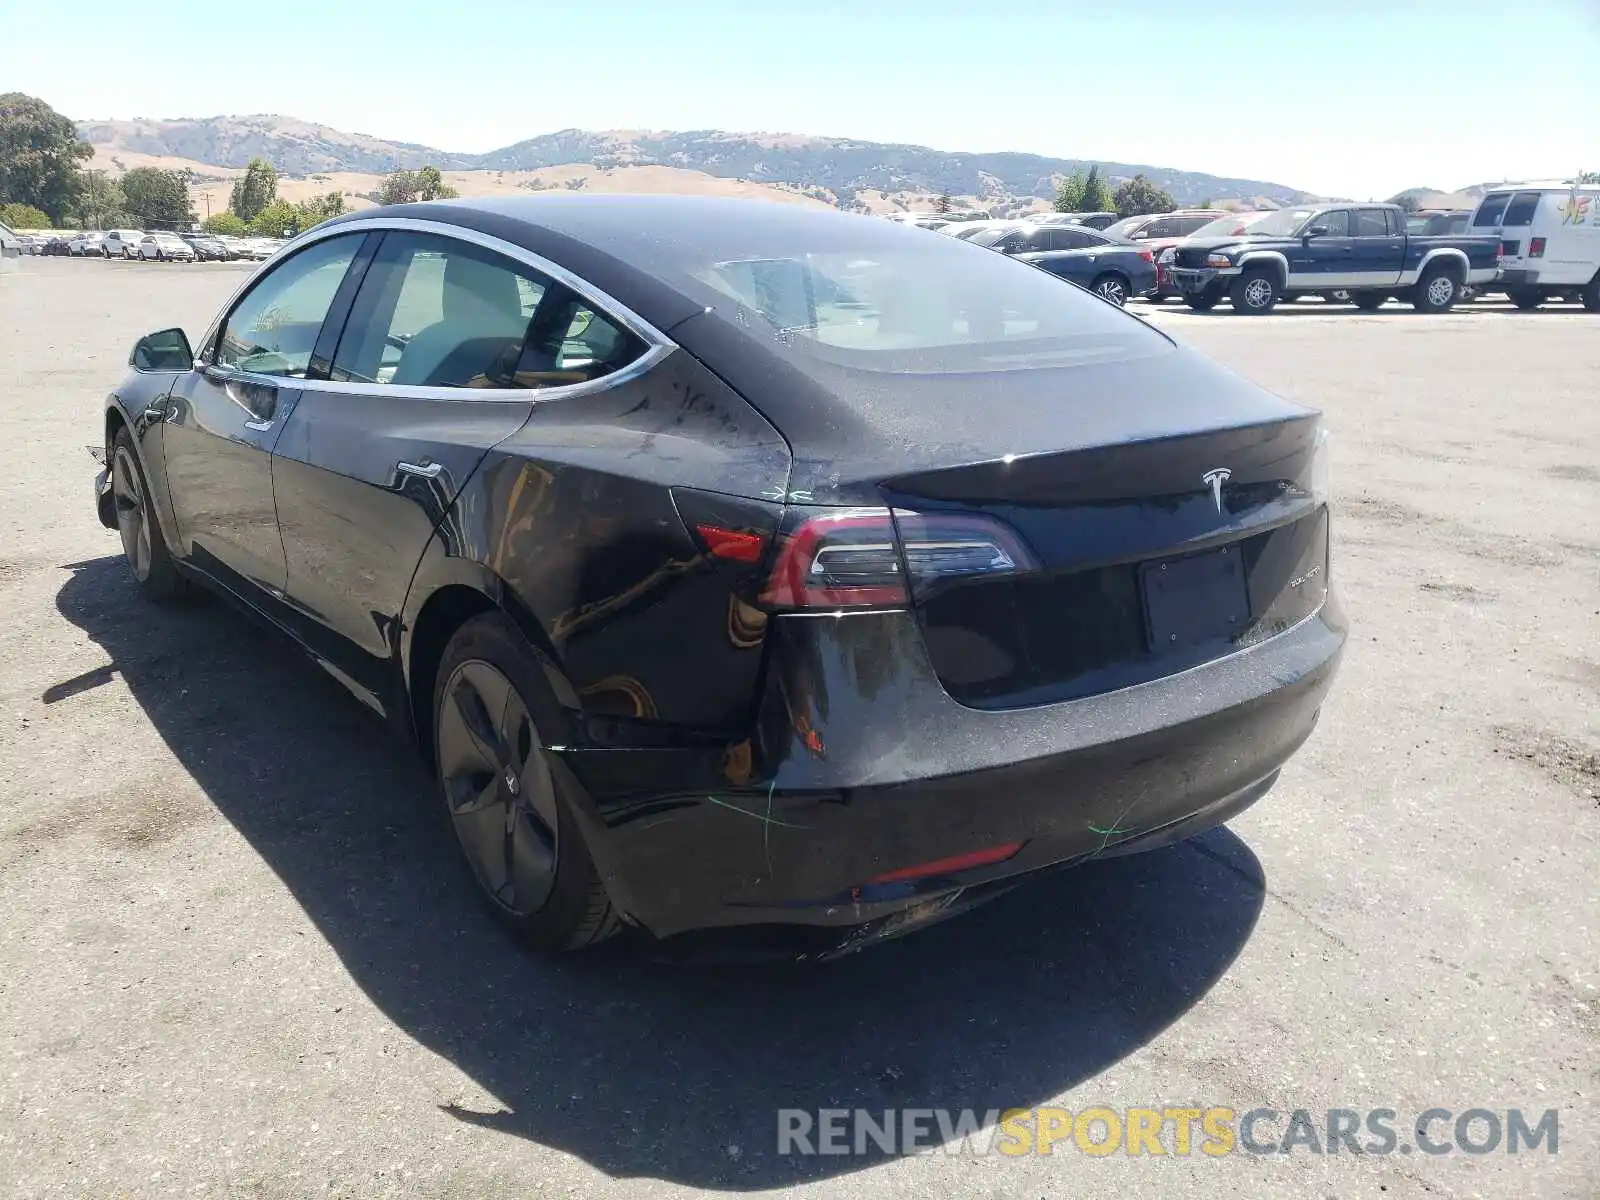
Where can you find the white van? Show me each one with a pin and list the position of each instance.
(121, 243)
(1549, 241)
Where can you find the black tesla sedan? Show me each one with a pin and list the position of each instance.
(744, 564)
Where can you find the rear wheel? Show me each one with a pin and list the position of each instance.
(1337, 296)
(1436, 291)
(1526, 299)
(1591, 295)
(142, 542)
(515, 826)
(1112, 287)
(1369, 301)
(1255, 293)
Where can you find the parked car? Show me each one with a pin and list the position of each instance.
(1227, 225)
(1124, 229)
(1026, 238)
(1438, 222)
(1114, 271)
(10, 249)
(206, 247)
(1065, 561)
(1549, 241)
(55, 247)
(86, 243)
(1166, 230)
(29, 243)
(971, 229)
(165, 247)
(121, 243)
(1307, 249)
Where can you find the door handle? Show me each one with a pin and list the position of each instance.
(258, 426)
(420, 470)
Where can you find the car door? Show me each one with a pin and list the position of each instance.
(222, 419)
(1377, 248)
(1324, 257)
(447, 344)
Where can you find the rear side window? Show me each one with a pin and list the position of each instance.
(1490, 211)
(436, 312)
(1187, 225)
(1370, 222)
(273, 330)
(1521, 209)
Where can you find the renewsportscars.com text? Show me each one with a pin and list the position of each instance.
(1180, 1131)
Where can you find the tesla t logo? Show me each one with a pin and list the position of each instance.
(1216, 477)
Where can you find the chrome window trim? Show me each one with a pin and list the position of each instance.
(658, 345)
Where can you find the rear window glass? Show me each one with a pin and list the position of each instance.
(1490, 210)
(915, 309)
(1187, 225)
(1520, 210)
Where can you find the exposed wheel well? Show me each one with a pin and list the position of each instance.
(114, 424)
(1450, 265)
(446, 611)
(1271, 266)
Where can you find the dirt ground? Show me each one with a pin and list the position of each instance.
(236, 960)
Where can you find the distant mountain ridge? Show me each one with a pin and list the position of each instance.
(840, 166)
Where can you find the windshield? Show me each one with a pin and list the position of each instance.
(1124, 227)
(1226, 226)
(988, 237)
(1281, 223)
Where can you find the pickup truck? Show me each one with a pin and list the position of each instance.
(1360, 248)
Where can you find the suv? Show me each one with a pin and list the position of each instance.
(1549, 241)
(121, 243)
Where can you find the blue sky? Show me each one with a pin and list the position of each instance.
(1354, 98)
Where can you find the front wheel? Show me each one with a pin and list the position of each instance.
(142, 542)
(1111, 287)
(516, 828)
(1436, 291)
(1255, 293)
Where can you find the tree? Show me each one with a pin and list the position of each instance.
(278, 219)
(408, 187)
(255, 192)
(319, 209)
(158, 199)
(39, 156)
(1095, 197)
(1139, 196)
(100, 203)
(1069, 196)
(24, 216)
(224, 222)
(942, 204)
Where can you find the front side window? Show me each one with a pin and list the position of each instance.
(1370, 222)
(437, 312)
(1336, 223)
(1521, 209)
(273, 330)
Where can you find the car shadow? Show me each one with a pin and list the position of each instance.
(640, 1067)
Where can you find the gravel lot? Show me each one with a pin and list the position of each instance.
(235, 960)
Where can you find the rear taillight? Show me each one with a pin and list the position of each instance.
(1148, 256)
(862, 557)
(1535, 247)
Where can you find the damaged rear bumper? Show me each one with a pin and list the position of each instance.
(871, 786)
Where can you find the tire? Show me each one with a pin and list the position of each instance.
(1255, 293)
(1436, 291)
(1201, 301)
(1525, 299)
(490, 704)
(1111, 287)
(1369, 301)
(1590, 296)
(143, 544)
(1336, 296)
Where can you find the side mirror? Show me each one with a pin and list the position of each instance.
(1316, 231)
(165, 350)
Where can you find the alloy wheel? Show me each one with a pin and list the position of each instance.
(1112, 290)
(1258, 293)
(133, 519)
(498, 787)
(1441, 288)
